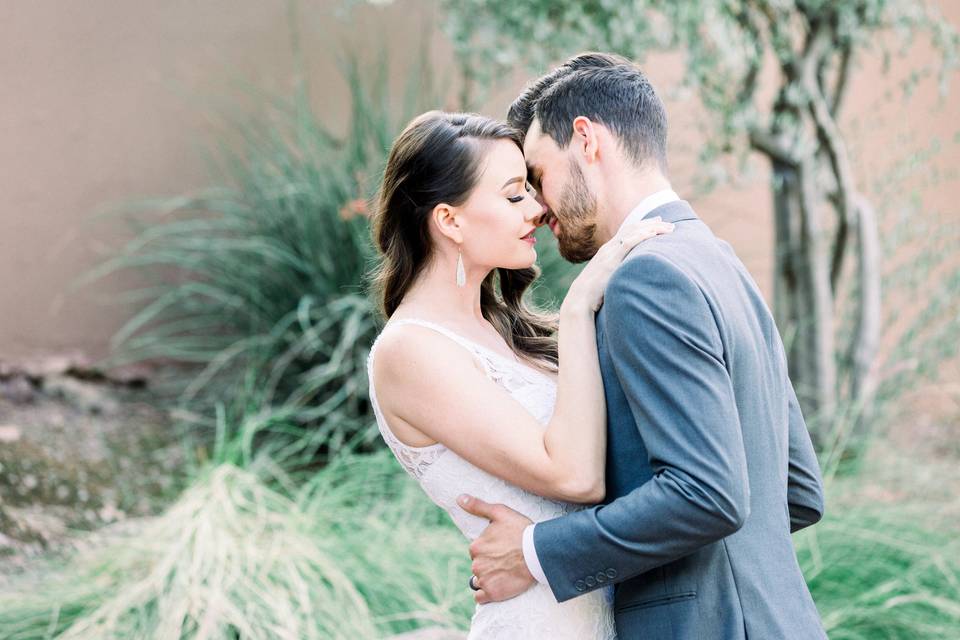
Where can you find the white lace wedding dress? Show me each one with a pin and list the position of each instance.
(444, 475)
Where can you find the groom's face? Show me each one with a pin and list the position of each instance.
(563, 189)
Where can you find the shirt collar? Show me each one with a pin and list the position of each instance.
(651, 202)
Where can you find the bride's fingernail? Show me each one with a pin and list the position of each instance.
(462, 500)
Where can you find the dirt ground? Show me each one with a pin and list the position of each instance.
(78, 449)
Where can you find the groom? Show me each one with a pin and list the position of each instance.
(709, 464)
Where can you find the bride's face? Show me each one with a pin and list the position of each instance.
(499, 217)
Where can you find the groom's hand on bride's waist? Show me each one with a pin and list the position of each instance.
(498, 553)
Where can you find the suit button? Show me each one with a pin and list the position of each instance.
(591, 581)
(601, 578)
(580, 585)
(611, 573)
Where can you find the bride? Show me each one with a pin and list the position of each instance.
(465, 378)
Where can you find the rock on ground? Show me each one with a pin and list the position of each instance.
(78, 448)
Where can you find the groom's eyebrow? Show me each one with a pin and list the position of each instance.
(512, 180)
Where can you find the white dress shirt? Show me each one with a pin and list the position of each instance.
(646, 205)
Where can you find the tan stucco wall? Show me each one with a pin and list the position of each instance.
(103, 100)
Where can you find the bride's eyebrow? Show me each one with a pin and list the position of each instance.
(512, 180)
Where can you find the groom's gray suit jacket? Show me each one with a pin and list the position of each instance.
(709, 463)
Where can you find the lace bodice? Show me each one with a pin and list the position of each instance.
(444, 475)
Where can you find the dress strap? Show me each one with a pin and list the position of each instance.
(467, 344)
(494, 363)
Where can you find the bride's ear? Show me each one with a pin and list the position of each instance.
(447, 222)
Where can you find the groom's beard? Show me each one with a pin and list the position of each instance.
(577, 216)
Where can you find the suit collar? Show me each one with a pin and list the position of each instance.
(675, 211)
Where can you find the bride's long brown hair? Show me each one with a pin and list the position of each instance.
(437, 160)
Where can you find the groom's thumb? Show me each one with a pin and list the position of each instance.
(477, 507)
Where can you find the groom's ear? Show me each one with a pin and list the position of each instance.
(585, 138)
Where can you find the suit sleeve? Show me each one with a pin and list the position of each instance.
(668, 356)
(804, 482)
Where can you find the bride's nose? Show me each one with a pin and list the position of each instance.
(538, 213)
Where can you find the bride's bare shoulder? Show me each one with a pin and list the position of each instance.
(412, 352)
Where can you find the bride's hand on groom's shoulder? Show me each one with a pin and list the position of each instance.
(497, 554)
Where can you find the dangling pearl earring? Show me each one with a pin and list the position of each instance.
(461, 273)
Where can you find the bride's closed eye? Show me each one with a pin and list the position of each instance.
(519, 198)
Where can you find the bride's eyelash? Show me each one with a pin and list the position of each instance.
(516, 199)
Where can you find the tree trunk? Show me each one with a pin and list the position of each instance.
(803, 295)
(803, 142)
(865, 341)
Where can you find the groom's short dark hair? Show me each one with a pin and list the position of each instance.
(606, 88)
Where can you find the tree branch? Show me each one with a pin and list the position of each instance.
(778, 22)
(821, 300)
(767, 143)
(829, 135)
(744, 18)
(821, 79)
(840, 241)
(839, 89)
(815, 50)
